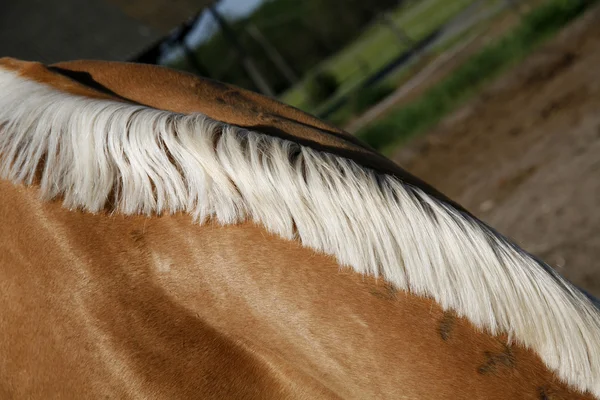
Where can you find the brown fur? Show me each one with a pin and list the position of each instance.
(99, 306)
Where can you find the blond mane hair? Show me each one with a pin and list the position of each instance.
(101, 153)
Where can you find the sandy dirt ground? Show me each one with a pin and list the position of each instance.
(525, 155)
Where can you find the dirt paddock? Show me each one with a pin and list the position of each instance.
(525, 155)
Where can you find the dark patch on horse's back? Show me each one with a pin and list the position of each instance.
(86, 79)
(446, 325)
(391, 290)
(236, 96)
(387, 292)
(137, 236)
(201, 81)
(546, 393)
(254, 109)
(495, 361)
(228, 95)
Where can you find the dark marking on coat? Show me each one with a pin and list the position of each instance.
(202, 82)
(446, 326)
(234, 96)
(377, 293)
(137, 236)
(387, 292)
(546, 393)
(391, 291)
(495, 361)
(270, 118)
(86, 79)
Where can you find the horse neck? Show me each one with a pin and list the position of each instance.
(269, 305)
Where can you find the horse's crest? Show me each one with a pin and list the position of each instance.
(94, 152)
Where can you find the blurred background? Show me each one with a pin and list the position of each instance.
(494, 102)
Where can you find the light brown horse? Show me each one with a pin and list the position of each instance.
(166, 236)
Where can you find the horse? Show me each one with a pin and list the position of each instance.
(164, 235)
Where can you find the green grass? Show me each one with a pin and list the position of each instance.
(362, 100)
(442, 98)
(377, 45)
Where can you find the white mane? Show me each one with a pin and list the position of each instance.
(97, 152)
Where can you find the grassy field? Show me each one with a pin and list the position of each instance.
(363, 99)
(452, 91)
(378, 45)
(366, 97)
